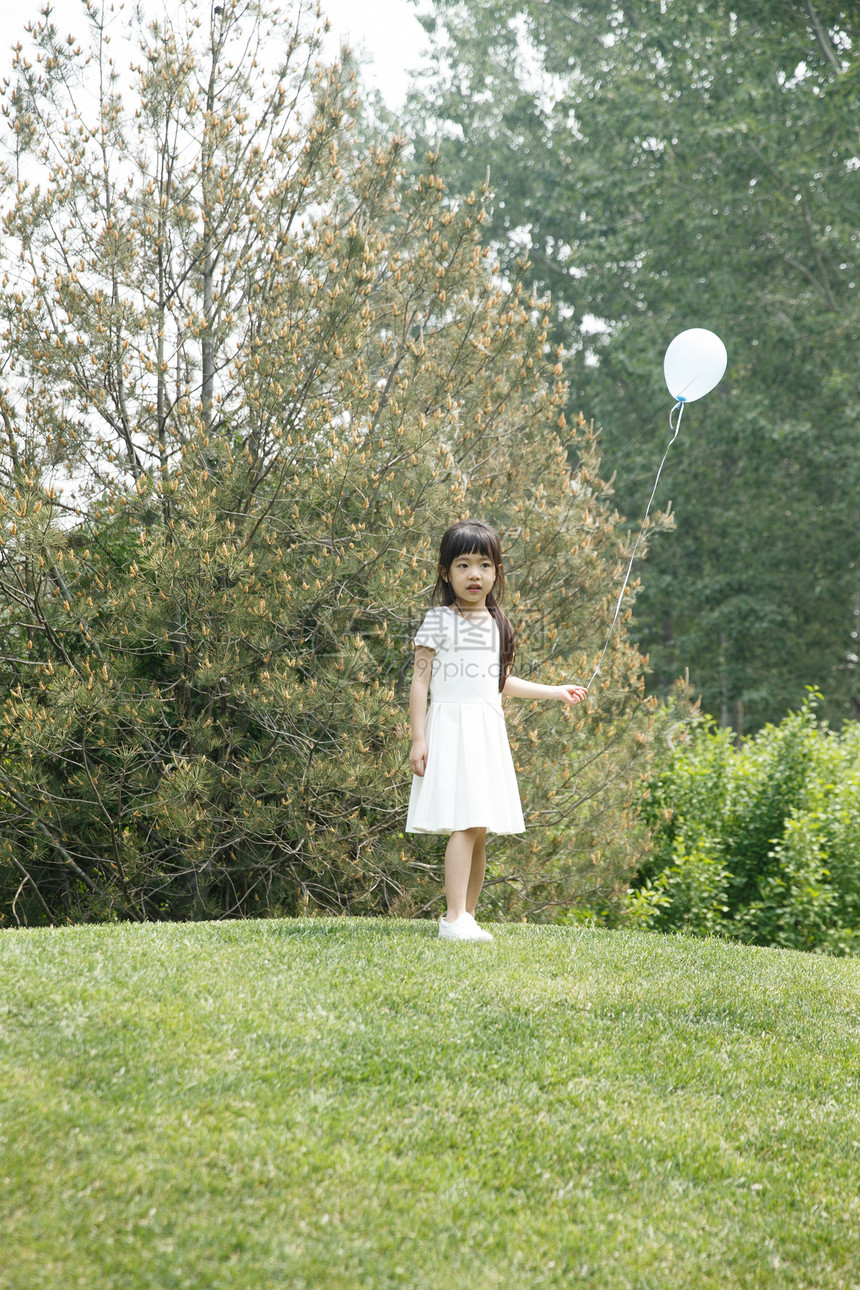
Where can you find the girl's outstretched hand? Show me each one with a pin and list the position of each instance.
(572, 693)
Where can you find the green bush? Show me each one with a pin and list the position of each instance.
(757, 843)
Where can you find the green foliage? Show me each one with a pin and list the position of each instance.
(758, 843)
(275, 368)
(693, 164)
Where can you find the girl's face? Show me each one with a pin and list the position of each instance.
(472, 578)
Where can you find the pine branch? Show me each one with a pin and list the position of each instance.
(58, 846)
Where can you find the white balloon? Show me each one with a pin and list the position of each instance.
(695, 362)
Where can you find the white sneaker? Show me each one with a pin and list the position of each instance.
(463, 928)
(480, 933)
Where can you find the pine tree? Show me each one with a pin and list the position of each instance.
(274, 369)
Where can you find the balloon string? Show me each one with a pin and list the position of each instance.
(675, 427)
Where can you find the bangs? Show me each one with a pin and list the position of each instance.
(471, 540)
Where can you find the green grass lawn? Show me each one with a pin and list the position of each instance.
(349, 1103)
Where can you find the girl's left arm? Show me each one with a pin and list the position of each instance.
(517, 688)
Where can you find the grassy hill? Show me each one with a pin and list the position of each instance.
(349, 1103)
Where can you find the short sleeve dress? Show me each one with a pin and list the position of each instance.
(470, 780)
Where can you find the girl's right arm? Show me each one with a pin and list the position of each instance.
(418, 707)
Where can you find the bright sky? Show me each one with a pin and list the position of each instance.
(386, 31)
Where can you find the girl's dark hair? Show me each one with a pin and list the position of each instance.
(474, 537)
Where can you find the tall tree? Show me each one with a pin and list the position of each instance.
(673, 165)
(274, 370)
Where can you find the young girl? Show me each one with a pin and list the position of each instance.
(464, 782)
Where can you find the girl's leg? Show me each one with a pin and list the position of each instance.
(458, 868)
(479, 868)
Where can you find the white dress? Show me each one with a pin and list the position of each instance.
(469, 780)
